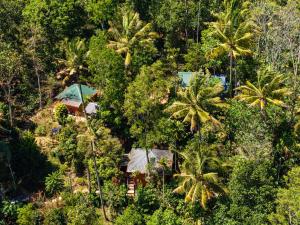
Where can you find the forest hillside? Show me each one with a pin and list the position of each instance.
(149, 112)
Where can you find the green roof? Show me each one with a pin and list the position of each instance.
(186, 77)
(73, 93)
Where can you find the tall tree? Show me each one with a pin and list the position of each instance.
(234, 34)
(35, 41)
(144, 101)
(196, 179)
(128, 33)
(270, 89)
(278, 42)
(10, 68)
(196, 101)
(73, 64)
(36, 44)
(288, 200)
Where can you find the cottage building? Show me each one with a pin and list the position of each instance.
(72, 99)
(137, 165)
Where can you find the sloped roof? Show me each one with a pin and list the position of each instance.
(138, 159)
(186, 78)
(73, 93)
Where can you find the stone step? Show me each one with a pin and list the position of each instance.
(130, 192)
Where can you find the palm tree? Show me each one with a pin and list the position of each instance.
(194, 103)
(75, 55)
(270, 89)
(196, 181)
(234, 35)
(90, 137)
(128, 33)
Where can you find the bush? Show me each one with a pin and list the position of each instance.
(41, 130)
(61, 114)
(130, 216)
(147, 199)
(67, 148)
(288, 200)
(79, 209)
(8, 212)
(54, 183)
(115, 197)
(55, 216)
(28, 215)
(252, 191)
(82, 214)
(164, 217)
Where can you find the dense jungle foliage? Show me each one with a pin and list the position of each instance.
(236, 143)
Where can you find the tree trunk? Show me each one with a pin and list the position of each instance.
(35, 64)
(163, 184)
(12, 176)
(70, 181)
(39, 86)
(89, 179)
(198, 21)
(230, 73)
(10, 107)
(186, 21)
(98, 183)
(148, 162)
(235, 80)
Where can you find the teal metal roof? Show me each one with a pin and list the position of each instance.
(185, 77)
(73, 93)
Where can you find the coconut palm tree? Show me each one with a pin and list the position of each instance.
(75, 54)
(196, 180)
(194, 103)
(234, 34)
(128, 33)
(270, 89)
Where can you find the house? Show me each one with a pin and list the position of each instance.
(187, 76)
(71, 97)
(137, 165)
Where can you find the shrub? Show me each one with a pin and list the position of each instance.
(147, 199)
(130, 216)
(164, 217)
(55, 216)
(288, 200)
(28, 215)
(41, 130)
(54, 183)
(61, 114)
(115, 197)
(8, 212)
(82, 214)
